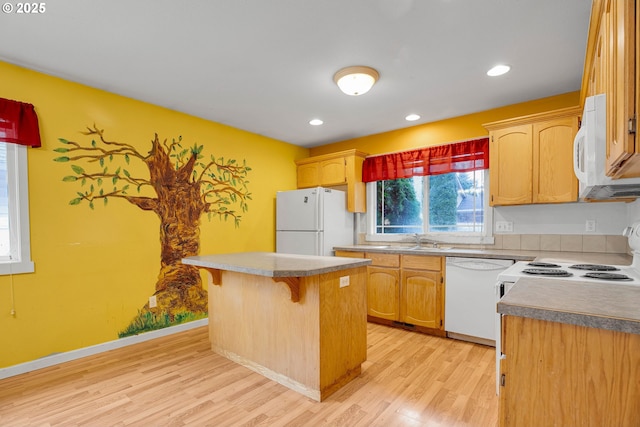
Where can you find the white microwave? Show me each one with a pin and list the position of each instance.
(589, 151)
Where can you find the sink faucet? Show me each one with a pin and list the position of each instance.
(420, 240)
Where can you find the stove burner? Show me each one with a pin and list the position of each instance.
(594, 267)
(608, 276)
(543, 264)
(547, 272)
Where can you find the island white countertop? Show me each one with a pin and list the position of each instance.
(272, 264)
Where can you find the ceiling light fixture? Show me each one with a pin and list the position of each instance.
(356, 80)
(412, 117)
(498, 70)
(315, 122)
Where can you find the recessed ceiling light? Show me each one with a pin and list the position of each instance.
(412, 117)
(498, 70)
(315, 122)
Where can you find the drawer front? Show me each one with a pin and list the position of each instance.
(422, 262)
(349, 254)
(383, 260)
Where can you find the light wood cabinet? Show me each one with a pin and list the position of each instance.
(568, 375)
(383, 284)
(405, 290)
(612, 68)
(531, 158)
(342, 169)
(383, 293)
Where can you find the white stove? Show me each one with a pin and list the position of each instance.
(614, 274)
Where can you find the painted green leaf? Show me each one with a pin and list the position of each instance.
(64, 141)
(93, 143)
(77, 169)
(126, 158)
(75, 201)
(61, 150)
(105, 200)
(70, 178)
(126, 173)
(61, 159)
(91, 204)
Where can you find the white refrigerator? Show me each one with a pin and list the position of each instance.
(312, 221)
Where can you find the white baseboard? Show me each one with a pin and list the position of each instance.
(58, 358)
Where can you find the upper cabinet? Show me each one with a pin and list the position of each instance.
(611, 67)
(339, 169)
(531, 158)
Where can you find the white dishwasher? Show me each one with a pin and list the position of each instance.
(470, 298)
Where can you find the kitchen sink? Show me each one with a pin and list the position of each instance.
(426, 249)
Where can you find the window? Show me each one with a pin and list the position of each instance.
(15, 248)
(437, 191)
(452, 203)
(18, 130)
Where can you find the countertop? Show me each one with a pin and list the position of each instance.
(271, 264)
(514, 254)
(599, 305)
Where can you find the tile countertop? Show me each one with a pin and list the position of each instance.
(598, 305)
(517, 255)
(271, 264)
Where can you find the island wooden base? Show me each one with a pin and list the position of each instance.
(313, 346)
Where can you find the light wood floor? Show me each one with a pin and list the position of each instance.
(409, 379)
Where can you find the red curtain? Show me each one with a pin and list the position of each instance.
(457, 157)
(19, 123)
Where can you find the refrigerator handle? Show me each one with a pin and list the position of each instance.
(320, 243)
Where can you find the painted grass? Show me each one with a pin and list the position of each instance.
(147, 321)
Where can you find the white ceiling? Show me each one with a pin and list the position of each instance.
(266, 66)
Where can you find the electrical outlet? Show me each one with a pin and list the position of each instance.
(590, 226)
(152, 301)
(502, 226)
(344, 281)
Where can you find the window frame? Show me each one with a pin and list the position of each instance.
(19, 260)
(486, 237)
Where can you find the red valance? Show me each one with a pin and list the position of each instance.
(19, 123)
(457, 157)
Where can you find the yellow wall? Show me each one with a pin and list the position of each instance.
(450, 130)
(94, 269)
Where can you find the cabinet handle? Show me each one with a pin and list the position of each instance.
(502, 380)
(632, 125)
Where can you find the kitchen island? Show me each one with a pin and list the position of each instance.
(298, 320)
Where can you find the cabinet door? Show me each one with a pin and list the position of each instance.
(510, 168)
(553, 178)
(567, 375)
(421, 298)
(333, 172)
(383, 293)
(309, 175)
(619, 27)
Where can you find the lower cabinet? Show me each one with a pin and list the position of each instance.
(383, 293)
(404, 290)
(421, 298)
(568, 375)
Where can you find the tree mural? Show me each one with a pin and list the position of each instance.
(180, 188)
